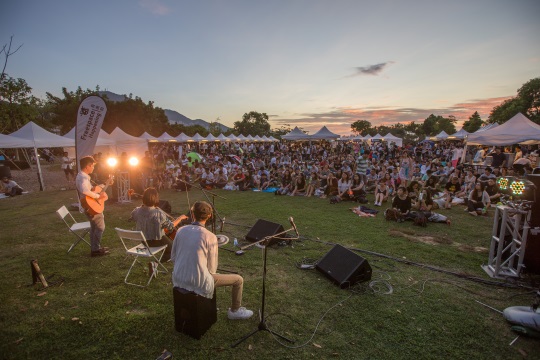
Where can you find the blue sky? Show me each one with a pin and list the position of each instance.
(305, 63)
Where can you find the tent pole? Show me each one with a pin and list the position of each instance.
(11, 161)
(40, 175)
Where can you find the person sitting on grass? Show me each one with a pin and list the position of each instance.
(432, 183)
(381, 193)
(402, 203)
(299, 185)
(426, 205)
(239, 179)
(11, 188)
(314, 184)
(331, 188)
(478, 199)
(450, 190)
(286, 183)
(344, 187)
(493, 191)
(390, 184)
(357, 186)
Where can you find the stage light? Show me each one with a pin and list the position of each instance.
(503, 183)
(518, 187)
(133, 161)
(112, 161)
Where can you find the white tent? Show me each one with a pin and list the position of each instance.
(257, 138)
(197, 138)
(131, 145)
(211, 137)
(487, 127)
(103, 140)
(271, 138)
(440, 136)
(148, 137)
(222, 137)
(377, 137)
(232, 137)
(296, 134)
(250, 138)
(183, 138)
(9, 142)
(324, 134)
(41, 138)
(517, 130)
(165, 137)
(461, 134)
(391, 138)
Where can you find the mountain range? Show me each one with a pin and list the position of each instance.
(174, 116)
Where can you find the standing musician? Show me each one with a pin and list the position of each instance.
(97, 221)
(154, 222)
(195, 258)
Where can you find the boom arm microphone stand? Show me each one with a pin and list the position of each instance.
(262, 323)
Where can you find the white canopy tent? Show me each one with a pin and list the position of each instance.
(222, 137)
(440, 136)
(165, 137)
(391, 138)
(517, 130)
(41, 138)
(183, 138)
(461, 134)
(486, 127)
(232, 137)
(197, 138)
(296, 134)
(148, 137)
(130, 144)
(324, 134)
(13, 142)
(211, 137)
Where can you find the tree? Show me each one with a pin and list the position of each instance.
(17, 105)
(360, 127)
(283, 130)
(253, 123)
(474, 123)
(526, 102)
(6, 51)
(64, 110)
(215, 128)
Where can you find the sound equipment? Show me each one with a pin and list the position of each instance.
(262, 229)
(193, 314)
(344, 267)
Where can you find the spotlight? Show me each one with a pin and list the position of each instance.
(517, 187)
(503, 183)
(133, 161)
(112, 161)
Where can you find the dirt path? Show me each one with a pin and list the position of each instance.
(53, 178)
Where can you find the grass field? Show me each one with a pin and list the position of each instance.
(409, 312)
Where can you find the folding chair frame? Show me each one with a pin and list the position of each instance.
(141, 250)
(80, 233)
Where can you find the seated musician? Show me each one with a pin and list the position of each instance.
(195, 258)
(154, 222)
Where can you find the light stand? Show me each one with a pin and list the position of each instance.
(122, 181)
(262, 323)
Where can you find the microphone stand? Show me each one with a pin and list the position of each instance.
(221, 219)
(262, 323)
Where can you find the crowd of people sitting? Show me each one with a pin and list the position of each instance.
(411, 178)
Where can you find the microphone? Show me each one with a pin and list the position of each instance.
(291, 220)
(222, 224)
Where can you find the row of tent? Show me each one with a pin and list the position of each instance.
(518, 130)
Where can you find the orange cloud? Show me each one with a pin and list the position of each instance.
(339, 120)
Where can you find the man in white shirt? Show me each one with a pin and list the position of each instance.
(195, 257)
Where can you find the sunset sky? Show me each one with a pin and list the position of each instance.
(305, 63)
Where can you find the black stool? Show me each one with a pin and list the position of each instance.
(193, 314)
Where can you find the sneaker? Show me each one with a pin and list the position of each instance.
(240, 314)
(100, 252)
(473, 213)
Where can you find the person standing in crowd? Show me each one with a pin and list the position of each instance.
(499, 159)
(67, 164)
(195, 258)
(97, 221)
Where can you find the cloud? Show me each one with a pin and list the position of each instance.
(339, 120)
(373, 70)
(155, 7)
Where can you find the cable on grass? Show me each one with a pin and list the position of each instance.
(276, 338)
(434, 268)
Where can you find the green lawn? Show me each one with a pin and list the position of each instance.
(93, 314)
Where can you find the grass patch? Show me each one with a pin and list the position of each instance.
(93, 314)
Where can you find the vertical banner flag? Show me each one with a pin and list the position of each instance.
(89, 120)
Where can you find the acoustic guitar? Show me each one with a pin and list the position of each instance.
(96, 206)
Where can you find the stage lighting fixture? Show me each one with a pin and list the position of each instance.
(133, 161)
(112, 161)
(518, 187)
(503, 183)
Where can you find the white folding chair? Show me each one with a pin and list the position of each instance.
(141, 249)
(79, 229)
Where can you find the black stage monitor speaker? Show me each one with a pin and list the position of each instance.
(262, 229)
(344, 267)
